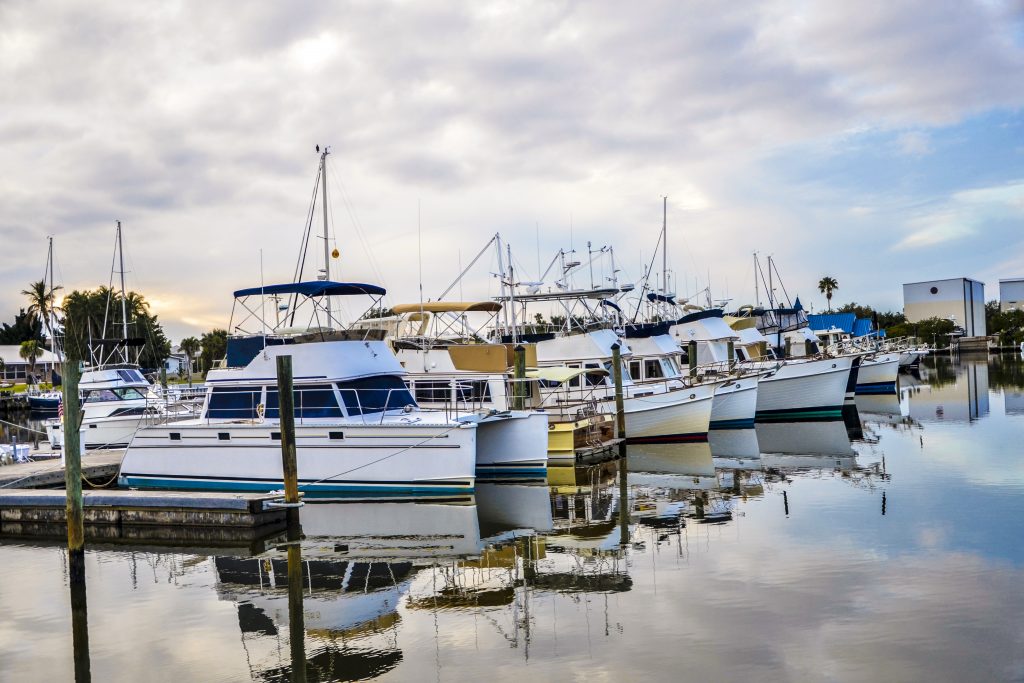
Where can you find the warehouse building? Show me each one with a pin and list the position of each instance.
(1011, 294)
(960, 299)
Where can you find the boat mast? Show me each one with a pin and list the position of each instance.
(512, 292)
(664, 245)
(327, 252)
(501, 281)
(50, 302)
(124, 302)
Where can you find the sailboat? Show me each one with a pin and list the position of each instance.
(48, 401)
(116, 397)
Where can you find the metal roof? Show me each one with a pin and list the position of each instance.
(828, 321)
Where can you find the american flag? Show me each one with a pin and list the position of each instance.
(60, 407)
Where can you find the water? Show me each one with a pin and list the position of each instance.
(895, 555)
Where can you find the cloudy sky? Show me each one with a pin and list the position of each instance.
(878, 142)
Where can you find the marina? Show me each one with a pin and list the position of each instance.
(817, 525)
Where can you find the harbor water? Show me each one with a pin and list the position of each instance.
(888, 546)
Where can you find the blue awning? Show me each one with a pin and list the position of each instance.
(670, 299)
(610, 304)
(315, 288)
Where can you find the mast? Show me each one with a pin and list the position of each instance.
(590, 262)
(124, 301)
(512, 292)
(664, 245)
(501, 280)
(50, 302)
(327, 252)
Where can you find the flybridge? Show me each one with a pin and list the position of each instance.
(310, 300)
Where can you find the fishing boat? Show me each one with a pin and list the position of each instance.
(358, 430)
(450, 367)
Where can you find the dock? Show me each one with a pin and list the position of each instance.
(165, 517)
(98, 467)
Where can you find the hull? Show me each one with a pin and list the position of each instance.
(878, 376)
(811, 390)
(736, 444)
(735, 404)
(671, 416)
(110, 432)
(47, 403)
(805, 439)
(851, 383)
(334, 459)
(513, 446)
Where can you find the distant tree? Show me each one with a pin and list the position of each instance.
(215, 346)
(826, 286)
(379, 312)
(41, 306)
(1008, 326)
(24, 328)
(933, 331)
(29, 351)
(882, 320)
(96, 314)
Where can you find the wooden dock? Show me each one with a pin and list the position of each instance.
(168, 517)
(97, 467)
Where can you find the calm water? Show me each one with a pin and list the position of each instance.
(886, 548)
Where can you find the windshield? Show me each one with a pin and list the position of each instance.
(115, 394)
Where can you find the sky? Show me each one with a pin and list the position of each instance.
(876, 142)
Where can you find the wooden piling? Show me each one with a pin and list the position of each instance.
(731, 352)
(80, 632)
(73, 471)
(296, 586)
(620, 411)
(519, 376)
(788, 352)
(286, 408)
(691, 356)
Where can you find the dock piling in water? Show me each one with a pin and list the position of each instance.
(286, 409)
(691, 357)
(519, 375)
(73, 471)
(620, 411)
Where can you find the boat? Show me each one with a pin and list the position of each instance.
(358, 430)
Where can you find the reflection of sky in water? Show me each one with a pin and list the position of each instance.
(832, 591)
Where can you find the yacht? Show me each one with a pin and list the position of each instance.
(358, 430)
(450, 367)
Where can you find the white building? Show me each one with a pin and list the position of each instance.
(15, 368)
(960, 299)
(1011, 294)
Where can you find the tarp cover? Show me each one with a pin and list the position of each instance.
(315, 288)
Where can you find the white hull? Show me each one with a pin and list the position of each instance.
(505, 507)
(106, 432)
(804, 438)
(878, 376)
(512, 446)
(735, 404)
(680, 415)
(394, 458)
(804, 390)
(734, 443)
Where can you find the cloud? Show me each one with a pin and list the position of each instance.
(964, 213)
(914, 143)
(194, 123)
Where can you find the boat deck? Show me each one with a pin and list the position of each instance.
(44, 472)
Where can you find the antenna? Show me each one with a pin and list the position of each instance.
(323, 202)
(419, 235)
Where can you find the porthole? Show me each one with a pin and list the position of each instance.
(693, 396)
(934, 290)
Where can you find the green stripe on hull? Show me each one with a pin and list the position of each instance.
(792, 414)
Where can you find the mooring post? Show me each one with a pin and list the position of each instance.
(731, 352)
(286, 409)
(691, 356)
(519, 378)
(163, 377)
(620, 411)
(788, 348)
(296, 586)
(73, 471)
(80, 632)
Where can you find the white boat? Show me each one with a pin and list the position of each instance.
(444, 372)
(824, 438)
(735, 402)
(878, 374)
(116, 402)
(358, 430)
(668, 411)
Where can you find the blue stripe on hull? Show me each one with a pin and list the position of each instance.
(877, 388)
(738, 423)
(313, 491)
(512, 473)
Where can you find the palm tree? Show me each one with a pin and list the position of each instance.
(190, 347)
(41, 306)
(826, 286)
(30, 351)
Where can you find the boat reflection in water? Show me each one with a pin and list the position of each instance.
(672, 465)
(358, 562)
(735, 448)
(805, 438)
(505, 507)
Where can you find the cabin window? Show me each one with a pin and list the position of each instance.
(652, 369)
(131, 376)
(575, 381)
(174, 436)
(224, 436)
(634, 370)
(115, 394)
(233, 403)
(275, 436)
(139, 410)
(473, 390)
(432, 391)
(374, 394)
(336, 436)
(310, 400)
(594, 379)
